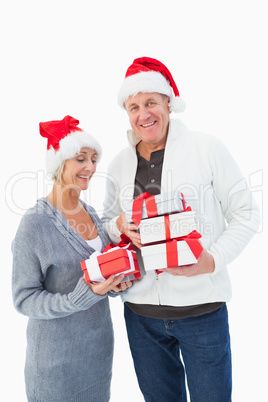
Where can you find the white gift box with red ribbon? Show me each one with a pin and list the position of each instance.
(167, 227)
(149, 206)
(172, 253)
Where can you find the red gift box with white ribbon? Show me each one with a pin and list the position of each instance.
(115, 259)
(172, 253)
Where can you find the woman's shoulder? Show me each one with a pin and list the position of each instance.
(33, 220)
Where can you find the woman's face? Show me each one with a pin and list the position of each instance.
(78, 170)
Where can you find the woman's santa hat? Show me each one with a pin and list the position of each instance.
(150, 75)
(64, 140)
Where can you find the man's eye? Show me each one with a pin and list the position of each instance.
(151, 103)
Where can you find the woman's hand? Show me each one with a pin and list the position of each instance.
(112, 283)
(205, 265)
(122, 286)
(129, 229)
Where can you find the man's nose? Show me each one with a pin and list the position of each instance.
(144, 113)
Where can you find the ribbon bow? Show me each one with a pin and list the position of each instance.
(172, 252)
(150, 205)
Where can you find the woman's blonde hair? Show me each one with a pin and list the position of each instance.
(58, 174)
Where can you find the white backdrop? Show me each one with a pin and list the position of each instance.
(69, 57)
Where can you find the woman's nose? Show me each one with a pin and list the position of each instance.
(90, 166)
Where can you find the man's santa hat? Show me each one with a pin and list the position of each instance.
(150, 75)
(64, 140)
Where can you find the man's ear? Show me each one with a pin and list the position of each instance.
(168, 99)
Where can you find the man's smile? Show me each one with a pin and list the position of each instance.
(149, 124)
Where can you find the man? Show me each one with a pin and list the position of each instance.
(180, 313)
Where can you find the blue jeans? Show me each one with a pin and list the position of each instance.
(204, 344)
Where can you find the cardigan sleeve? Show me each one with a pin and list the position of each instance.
(237, 204)
(29, 294)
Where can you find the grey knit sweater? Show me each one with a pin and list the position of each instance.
(69, 333)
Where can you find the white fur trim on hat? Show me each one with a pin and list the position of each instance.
(145, 81)
(69, 147)
(149, 81)
(176, 104)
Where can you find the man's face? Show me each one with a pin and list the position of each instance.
(149, 116)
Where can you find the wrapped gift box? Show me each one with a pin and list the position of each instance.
(167, 227)
(115, 261)
(148, 206)
(131, 278)
(172, 253)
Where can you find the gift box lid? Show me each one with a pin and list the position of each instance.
(115, 261)
(160, 248)
(116, 258)
(167, 227)
(155, 255)
(160, 204)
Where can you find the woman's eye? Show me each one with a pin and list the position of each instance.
(80, 160)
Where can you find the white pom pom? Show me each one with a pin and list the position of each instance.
(177, 105)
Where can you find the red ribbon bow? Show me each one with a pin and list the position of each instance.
(150, 206)
(172, 252)
(125, 241)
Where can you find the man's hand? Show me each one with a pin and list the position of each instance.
(129, 229)
(205, 265)
(112, 283)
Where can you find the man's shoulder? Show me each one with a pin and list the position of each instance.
(181, 133)
(126, 154)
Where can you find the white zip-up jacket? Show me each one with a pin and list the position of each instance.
(227, 216)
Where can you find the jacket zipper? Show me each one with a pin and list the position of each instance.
(157, 286)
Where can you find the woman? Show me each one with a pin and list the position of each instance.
(69, 333)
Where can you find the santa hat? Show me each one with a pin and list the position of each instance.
(64, 141)
(150, 75)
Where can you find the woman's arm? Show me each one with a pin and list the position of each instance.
(33, 300)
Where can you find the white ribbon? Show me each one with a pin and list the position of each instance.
(131, 263)
(94, 270)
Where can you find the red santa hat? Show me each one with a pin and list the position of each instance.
(150, 75)
(64, 140)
